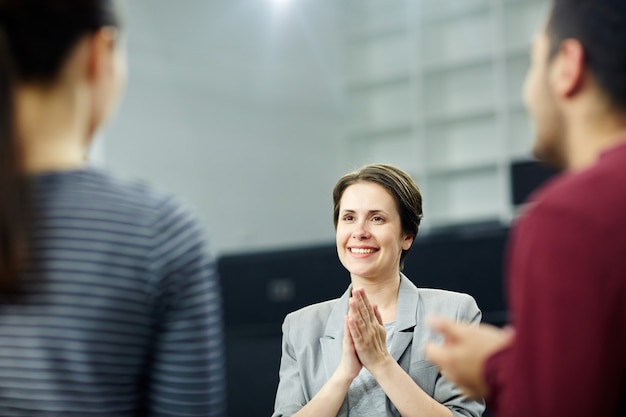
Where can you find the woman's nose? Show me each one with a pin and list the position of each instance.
(360, 231)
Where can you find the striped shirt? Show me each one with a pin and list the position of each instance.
(119, 310)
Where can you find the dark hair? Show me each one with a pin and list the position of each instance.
(600, 26)
(36, 36)
(399, 184)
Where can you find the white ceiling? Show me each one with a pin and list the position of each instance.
(250, 50)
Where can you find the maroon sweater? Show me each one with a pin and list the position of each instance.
(567, 295)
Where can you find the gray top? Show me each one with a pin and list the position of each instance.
(365, 397)
(119, 311)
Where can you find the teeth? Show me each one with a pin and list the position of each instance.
(361, 251)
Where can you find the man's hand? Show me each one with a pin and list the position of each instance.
(464, 352)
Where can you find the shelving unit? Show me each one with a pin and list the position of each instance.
(435, 87)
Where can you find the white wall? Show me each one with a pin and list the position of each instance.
(235, 106)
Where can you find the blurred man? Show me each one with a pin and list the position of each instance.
(566, 354)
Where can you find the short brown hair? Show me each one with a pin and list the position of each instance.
(398, 183)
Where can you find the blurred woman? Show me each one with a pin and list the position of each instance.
(109, 302)
(362, 354)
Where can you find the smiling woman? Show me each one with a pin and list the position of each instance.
(363, 354)
(370, 239)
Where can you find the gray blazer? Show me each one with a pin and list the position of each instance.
(312, 345)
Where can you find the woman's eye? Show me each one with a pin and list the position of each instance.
(378, 219)
(348, 218)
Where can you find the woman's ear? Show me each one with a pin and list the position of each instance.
(101, 53)
(407, 241)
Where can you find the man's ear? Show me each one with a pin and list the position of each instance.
(569, 68)
(100, 51)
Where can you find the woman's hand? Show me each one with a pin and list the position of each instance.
(350, 365)
(367, 331)
(328, 400)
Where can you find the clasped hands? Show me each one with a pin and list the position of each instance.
(365, 338)
(461, 358)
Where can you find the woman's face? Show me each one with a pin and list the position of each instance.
(369, 232)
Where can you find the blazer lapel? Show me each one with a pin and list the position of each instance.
(332, 340)
(406, 310)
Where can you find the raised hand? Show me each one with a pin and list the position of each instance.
(464, 352)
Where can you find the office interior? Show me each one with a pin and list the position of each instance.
(250, 110)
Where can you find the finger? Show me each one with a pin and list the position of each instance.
(509, 331)
(347, 337)
(355, 332)
(353, 310)
(448, 328)
(382, 332)
(358, 314)
(364, 306)
(378, 316)
(437, 354)
(368, 305)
